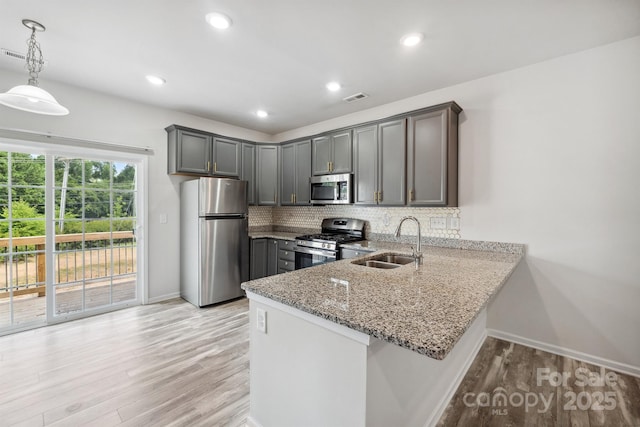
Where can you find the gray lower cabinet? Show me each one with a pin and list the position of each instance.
(271, 256)
(295, 173)
(286, 256)
(193, 152)
(248, 170)
(267, 175)
(258, 268)
(331, 153)
(379, 157)
(432, 158)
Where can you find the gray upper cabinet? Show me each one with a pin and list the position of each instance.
(296, 170)
(189, 151)
(226, 157)
(332, 153)
(267, 175)
(248, 154)
(380, 163)
(432, 174)
(192, 152)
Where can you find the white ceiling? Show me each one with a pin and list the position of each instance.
(279, 54)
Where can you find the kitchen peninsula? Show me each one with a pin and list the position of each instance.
(347, 344)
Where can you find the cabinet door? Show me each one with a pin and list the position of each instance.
(427, 159)
(303, 172)
(248, 171)
(321, 148)
(193, 152)
(267, 175)
(288, 175)
(392, 151)
(365, 155)
(258, 258)
(272, 257)
(341, 156)
(226, 157)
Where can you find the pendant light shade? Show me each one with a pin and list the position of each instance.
(30, 97)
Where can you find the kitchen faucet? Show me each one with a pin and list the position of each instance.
(417, 252)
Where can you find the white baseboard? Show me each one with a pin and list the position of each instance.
(453, 387)
(562, 351)
(163, 298)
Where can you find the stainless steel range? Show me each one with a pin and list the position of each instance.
(315, 249)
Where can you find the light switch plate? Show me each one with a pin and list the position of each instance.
(163, 218)
(454, 223)
(261, 320)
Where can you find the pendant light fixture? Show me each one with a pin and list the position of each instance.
(31, 97)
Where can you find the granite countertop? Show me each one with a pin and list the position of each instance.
(283, 235)
(426, 311)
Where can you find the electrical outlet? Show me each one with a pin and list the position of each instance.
(454, 223)
(437, 222)
(261, 320)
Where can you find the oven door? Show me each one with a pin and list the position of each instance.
(308, 257)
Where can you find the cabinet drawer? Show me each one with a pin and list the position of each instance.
(286, 255)
(286, 265)
(286, 244)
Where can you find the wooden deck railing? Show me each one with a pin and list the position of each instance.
(38, 243)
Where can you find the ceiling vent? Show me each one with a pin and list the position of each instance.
(355, 97)
(6, 53)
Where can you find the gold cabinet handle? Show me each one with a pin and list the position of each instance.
(208, 165)
(295, 197)
(379, 196)
(375, 196)
(215, 166)
(331, 166)
(411, 195)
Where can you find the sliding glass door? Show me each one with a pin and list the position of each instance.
(68, 244)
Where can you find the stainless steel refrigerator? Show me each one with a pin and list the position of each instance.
(214, 240)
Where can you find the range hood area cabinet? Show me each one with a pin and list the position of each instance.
(295, 173)
(267, 174)
(379, 159)
(432, 157)
(193, 152)
(332, 153)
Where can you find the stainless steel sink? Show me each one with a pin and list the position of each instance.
(380, 264)
(385, 261)
(394, 259)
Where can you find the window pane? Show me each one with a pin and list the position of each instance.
(97, 174)
(97, 204)
(72, 205)
(27, 169)
(27, 202)
(124, 176)
(124, 204)
(73, 170)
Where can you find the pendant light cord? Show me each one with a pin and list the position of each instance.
(34, 60)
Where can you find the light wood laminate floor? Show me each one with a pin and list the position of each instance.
(171, 364)
(155, 365)
(540, 389)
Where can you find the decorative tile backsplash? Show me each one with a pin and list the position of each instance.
(380, 220)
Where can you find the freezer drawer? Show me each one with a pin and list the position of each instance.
(224, 259)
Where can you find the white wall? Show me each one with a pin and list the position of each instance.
(550, 157)
(96, 116)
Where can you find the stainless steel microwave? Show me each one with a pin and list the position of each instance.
(331, 189)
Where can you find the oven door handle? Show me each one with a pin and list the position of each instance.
(318, 252)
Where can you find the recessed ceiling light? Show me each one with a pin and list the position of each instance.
(334, 86)
(411, 39)
(155, 80)
(262, 114)
(218, 20)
